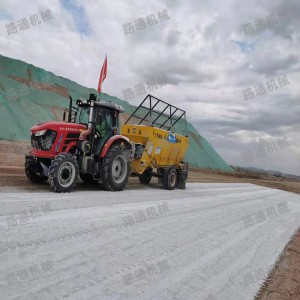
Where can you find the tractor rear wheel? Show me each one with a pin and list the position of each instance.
(145, 178)
(170, 178)
(115, 169)
(33, 176)
(101, 186)
(63, 173)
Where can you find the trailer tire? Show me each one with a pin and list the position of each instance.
(63, 173)
(170, 178)
(115, 169)
(145, 178)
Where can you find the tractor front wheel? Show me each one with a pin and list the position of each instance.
(31, 175)
(115, 169)
(63, 173)
(170, 178)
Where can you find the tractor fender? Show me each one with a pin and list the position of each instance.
(112, 140)
(71, 145)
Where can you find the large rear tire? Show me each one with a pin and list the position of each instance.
(63, 173)
(145, 178)
(31, 175)
(170, 178)
(115, 169)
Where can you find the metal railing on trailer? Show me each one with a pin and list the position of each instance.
(166, 118)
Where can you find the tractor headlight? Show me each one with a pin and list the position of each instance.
(41, 132)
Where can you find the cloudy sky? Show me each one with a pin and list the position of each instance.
(232, 65)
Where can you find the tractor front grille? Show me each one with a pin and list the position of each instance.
(44, 142)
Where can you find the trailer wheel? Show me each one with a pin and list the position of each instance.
(31, 175)
(170, 178)
(63, 173)
(115, 169)
(145, 178)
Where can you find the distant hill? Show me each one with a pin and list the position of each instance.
(266, 172)
(31, 95)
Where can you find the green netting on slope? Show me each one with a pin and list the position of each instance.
(23, 105)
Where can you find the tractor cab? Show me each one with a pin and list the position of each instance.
(102, 118)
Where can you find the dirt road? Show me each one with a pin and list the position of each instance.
(210, 241)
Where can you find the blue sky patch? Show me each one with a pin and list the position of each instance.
(5, 16)
(78, 14)
(244, 46)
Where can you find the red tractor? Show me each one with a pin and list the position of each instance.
(87, 144)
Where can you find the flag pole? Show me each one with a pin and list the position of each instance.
(102, 76)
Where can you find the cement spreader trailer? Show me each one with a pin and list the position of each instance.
(92, 144)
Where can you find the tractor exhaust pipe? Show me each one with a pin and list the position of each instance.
(70, 109)
(92, 100)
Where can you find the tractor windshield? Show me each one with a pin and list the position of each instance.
(83, 116)
(104, 122)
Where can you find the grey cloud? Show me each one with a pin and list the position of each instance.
(173, 37)
(269, 64)
(172, 70)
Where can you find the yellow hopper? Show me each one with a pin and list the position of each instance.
(156, 145)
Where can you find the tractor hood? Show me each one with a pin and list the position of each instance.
(58, 126)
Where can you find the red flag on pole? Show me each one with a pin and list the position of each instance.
(102, 74)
